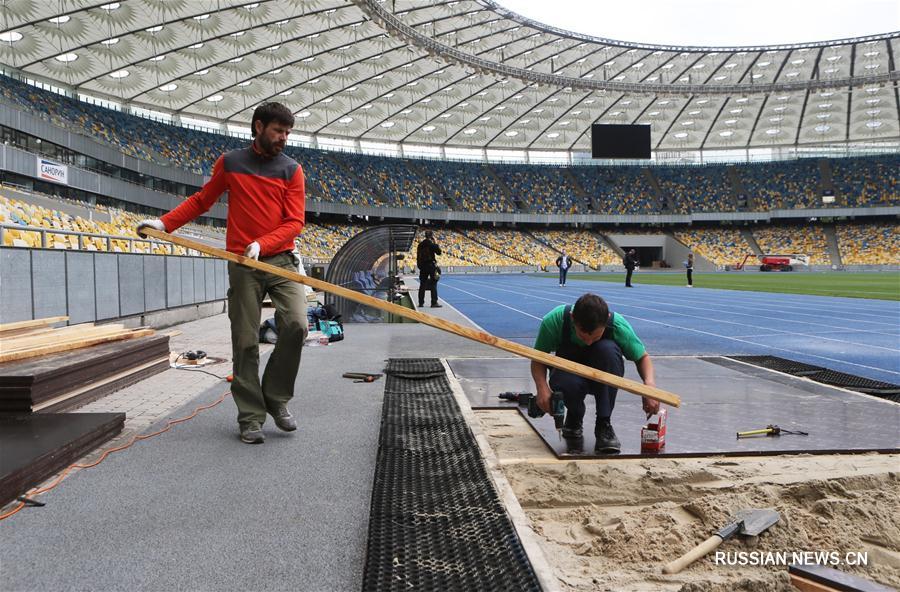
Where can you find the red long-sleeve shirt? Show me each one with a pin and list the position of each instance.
(266, 201)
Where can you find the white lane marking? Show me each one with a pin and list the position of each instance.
(752, 296)
(740, 324)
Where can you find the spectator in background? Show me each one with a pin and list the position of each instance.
(689, 266)
(266, 211)
(426, 260)
(563, 262)
(630, 262)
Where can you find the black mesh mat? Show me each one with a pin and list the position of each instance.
(436, 385)
(885, 390)
(436, 522)
(780, 364)
(857, 383)
(414, 367)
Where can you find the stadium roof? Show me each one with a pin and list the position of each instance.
(463, 73)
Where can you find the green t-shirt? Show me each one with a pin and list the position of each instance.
(550, 334)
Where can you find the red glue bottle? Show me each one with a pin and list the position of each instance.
(653, 434)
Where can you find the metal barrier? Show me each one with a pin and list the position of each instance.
(91, 286)
(167, 248)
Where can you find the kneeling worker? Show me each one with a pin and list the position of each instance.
(590, 334)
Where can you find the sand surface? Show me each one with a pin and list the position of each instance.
(612, 525)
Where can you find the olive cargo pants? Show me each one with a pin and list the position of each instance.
(247, 288)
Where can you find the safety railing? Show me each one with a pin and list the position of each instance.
(84, 241)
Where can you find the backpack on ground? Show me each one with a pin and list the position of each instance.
(268, 332)
(325, 319)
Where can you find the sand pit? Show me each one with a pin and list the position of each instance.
(612, 525)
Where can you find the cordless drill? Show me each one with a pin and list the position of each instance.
(557, 409)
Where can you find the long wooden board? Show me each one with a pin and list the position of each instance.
(66, 346)
(480, 336)
(67, 334)
(29, 324)
(805, 585)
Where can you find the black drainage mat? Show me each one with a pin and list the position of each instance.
(885, 390)
(414, 367)
(437, 385)
(436, 522)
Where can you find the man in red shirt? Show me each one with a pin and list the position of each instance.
(266, 208)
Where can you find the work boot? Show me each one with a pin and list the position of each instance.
(283, 419)
(572, 433)
(607, 442)
(437, 306)
(251, 433)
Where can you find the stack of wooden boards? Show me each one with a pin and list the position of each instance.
(51, 369)
(45, 370)
(29, 339)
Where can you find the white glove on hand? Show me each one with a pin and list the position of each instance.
(252, 250)
(154, 224)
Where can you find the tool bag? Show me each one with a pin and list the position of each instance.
(326, 320)
(333, 329)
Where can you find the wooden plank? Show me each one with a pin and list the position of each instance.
(480, 336)
(828, 578)
(10, 345)
(51, 335)
(27, 332)
(805, 585)
(61, 347)
(72, 339)
(28, 324)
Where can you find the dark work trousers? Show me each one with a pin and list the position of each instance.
(562, 275)
(247, 289)
(690, 274)
(628, 273)
(427, 282)
(604, 355)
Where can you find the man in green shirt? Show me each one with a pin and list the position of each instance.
(588, 333)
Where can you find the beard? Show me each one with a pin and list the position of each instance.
(268, 147)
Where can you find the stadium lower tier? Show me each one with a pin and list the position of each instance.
(80, 226)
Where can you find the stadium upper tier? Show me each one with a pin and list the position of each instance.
(542, 189)
(464, 73)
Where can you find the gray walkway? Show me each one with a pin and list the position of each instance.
(195, 509)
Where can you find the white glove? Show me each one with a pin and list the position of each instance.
(252, 250)
(153, 223)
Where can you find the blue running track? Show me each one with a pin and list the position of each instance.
(851, 335)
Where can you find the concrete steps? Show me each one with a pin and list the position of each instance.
(664, 202)
(751, 240)
(834, 250)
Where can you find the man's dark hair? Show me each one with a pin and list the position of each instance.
(429, 234)
(590, 312)
(269, 112)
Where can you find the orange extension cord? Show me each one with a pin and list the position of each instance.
(106, 453)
